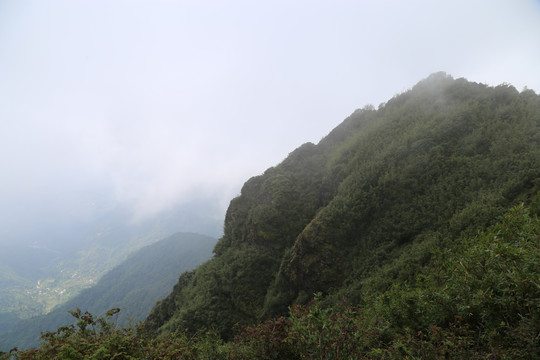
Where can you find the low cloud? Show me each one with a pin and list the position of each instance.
(157, 103)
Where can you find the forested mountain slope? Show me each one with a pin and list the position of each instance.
(365, 207)
(477, 299)
(51, 259)
(134, 286)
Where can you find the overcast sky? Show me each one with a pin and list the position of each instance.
(157, 102)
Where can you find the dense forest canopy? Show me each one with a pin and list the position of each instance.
(434, 163)
(411, 230)
(477, 299)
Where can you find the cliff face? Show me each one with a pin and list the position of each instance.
(431, 164)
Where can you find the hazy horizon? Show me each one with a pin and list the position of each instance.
(149, 105)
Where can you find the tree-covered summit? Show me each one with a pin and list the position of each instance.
(365, 207)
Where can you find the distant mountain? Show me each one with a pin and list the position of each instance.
(7, 321)
(413, 228)
(474, 300)
(365, 207)
(44, 269)
(133, 286)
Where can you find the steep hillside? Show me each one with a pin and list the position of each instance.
(365, 207)
(133, 286)
(478, 299)
(49, 263)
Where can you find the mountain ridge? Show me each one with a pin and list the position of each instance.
(432, 164)
(410, 231)
(133, 286)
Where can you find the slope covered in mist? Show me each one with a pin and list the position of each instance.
(365, 207)
(48, 261)
(133, 286)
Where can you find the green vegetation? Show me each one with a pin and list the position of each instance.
(392, 221)
(53, 267)
(432, 164)
(134, 286)
(478, 300)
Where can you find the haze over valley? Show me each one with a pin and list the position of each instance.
(273, 129)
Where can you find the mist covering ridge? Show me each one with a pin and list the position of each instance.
(430, 165)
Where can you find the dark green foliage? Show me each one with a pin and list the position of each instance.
(364, 208)
(230, 289)
(374, 215)
(101, 338)
(484, 290)
(213, 289)
(478, 300)
(437, 162)
(89, 338)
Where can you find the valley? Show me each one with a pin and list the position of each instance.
(409, 231)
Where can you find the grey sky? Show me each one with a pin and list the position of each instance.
(156, 102)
